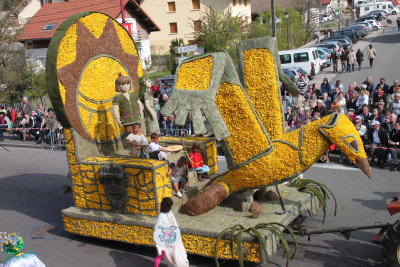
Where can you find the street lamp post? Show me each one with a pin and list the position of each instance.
(338, 14)
(287, 28)
(273, 19)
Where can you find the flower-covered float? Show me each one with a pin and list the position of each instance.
(117, 197)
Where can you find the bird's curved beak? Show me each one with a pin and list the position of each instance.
(363, 164)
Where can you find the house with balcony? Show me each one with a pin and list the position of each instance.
(39, 29)
(179, 18)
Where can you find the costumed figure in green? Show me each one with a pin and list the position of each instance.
(127, 108)
(13, 244)
(150, 113)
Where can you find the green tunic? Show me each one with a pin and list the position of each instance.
(151, 125)
(128, 110)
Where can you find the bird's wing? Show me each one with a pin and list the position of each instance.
(260, 71)
(209, 85)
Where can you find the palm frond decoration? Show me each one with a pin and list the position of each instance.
(319, 190)
(235, 236)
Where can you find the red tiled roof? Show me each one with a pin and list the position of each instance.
(58, 12)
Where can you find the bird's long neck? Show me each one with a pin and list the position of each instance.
(310, 141)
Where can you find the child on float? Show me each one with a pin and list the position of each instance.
(178, 175)
(13, 244)
(173, 251)
(138, 142)
(196, 162)
(155, 150)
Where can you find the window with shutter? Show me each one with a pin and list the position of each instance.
(196, 4)
(197, 25)
(171, 7)
(173, 27)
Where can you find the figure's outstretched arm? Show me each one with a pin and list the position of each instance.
(115, 109)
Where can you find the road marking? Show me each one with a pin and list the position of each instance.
(334, 166)
(318, 165)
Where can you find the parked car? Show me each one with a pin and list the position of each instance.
(345, 37)
(344, 40)
(290, 74)
(349, 33)
(376, 25)
(364, 18)
(331, 45)
(366, 24)
(297, 72)
(359, 29)
(305, 58)
(389, 8)
(327, 17)
(325, 56)
(380, 14)
(327, 50)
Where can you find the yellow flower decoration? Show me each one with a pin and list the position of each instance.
(192, 77)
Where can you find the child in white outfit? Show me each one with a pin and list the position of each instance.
(155, 150)
(138, 142)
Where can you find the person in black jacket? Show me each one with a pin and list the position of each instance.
(394, 143)
(378, 139)
(35, 122)
(382, 84)
(334, 58)
(360, 58)
(343, 59)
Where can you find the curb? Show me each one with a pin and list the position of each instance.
(32, 146)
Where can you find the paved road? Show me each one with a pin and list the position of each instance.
(31, 200)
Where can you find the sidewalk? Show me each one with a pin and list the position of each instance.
(10, 142)
(362, 44)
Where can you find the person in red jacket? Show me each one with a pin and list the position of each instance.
(11, 114)
(196, 162)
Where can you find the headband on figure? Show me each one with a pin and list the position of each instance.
(11, 243)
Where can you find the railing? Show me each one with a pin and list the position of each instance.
(51, 138)
(174, 132)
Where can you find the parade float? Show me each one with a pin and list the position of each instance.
(118, 197)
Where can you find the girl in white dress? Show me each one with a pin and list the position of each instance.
(12, 244)
(167, 237)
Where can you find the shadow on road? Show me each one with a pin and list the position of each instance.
(388, 39)
(123, 259)
(377, 204)
(36, 195)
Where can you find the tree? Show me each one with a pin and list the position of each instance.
(290, 32)
(219, 31)
(309, 10)
(171, 59)
(16, 75)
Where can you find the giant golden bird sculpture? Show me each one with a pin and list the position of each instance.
(245, 114)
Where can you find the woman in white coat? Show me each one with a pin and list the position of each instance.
(352, 59)
(167, 237)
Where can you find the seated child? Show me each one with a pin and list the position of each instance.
(196, 162)
(178, 175)
(155, 150)
(138, 142)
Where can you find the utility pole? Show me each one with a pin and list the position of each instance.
(338, 15)
(273, 19)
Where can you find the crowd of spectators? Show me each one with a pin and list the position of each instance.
(373, 108)
(167, 123)
(27, 124)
